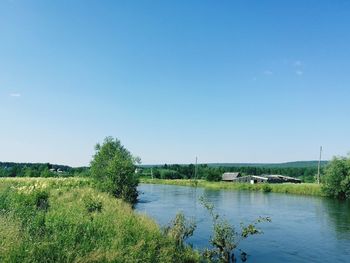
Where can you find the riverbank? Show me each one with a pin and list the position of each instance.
(289, 188)
(68, 220)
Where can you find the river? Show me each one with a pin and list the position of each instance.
(303, 228)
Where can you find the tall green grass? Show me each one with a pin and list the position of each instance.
(290, 188)
(67, 220)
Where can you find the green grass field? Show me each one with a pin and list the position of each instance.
(300, 189)
(68, 220)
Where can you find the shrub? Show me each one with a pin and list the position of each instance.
(225, 239)
(156, 174)
(113, 167)
(266, 188)
(41, 200)
(93, 204)
(213, 175)
(337, 178)
(170, 174)
(180, 229)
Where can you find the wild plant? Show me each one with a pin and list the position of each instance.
(225, 239)
(180, 229)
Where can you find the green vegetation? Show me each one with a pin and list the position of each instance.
(226, 239)
(8, 169)
(180, 229)
(305, 171)
(83, 218)
(68, 220)
(113, 167)
(300, 189)
(337, 178)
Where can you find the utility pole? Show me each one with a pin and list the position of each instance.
(319, 167)
(152, 173)
(195, 169)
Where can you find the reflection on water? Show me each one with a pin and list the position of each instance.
(338, 217)
(303, 229)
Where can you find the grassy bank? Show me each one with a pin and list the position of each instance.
(299, 189)
(67, 220)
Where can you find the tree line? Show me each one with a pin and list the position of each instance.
(173, 171)
(210, 173)
(9, 169)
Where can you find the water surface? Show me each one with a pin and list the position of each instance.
(303, 228)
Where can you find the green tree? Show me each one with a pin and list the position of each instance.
(337, 178)
(3, 172)
(46, 173)
(28, 172)
(113, 167)
(156, 174)
(212, 175)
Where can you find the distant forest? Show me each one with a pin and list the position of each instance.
(305, 170)
(10, 169)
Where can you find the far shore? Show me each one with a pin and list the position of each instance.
(312, 189)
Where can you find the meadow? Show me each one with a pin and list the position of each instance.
(69, 220)
(288, 188)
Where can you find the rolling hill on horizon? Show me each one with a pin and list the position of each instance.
(294, 164)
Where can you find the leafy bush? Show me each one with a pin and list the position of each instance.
(170, 174)
(156, 174)
(41, 200)
(213, 175)
(180, 229)
(225, 239)
(266, 188)
(93, 204)
(113, 167)
(337, 178)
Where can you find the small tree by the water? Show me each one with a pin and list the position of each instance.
(113, 167)
(225, 239)
(179, 229)
(337, 178)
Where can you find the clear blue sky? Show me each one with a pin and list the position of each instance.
(228, 81)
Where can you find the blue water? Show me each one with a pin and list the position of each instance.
(303, 228)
